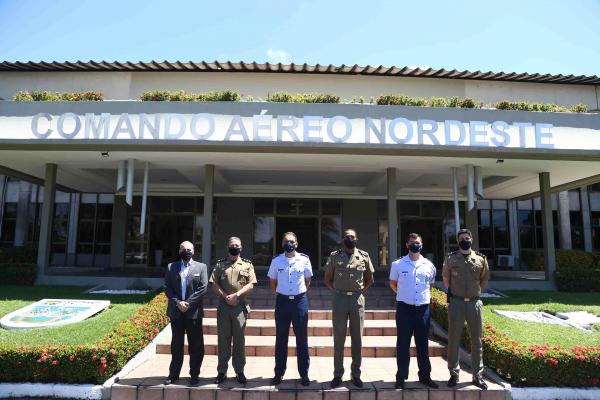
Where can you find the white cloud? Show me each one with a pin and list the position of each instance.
(278, 56)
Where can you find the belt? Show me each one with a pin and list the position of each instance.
(291, 297)
(349, 293)
(465, 298)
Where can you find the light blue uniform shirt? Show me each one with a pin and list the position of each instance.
(414, 279)
(290, 273)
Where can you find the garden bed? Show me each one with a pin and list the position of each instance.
(87, 352)
(533, 354)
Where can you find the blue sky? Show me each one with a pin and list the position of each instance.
(524, 36)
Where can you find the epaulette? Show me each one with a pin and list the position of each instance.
(222, 260)
(453, 252)
(335, 252)
(302, 254)
(364, 253)
(247, 260)
(480, 254)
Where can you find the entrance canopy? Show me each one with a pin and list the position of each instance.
(299, 149)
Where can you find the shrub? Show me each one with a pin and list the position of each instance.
(401, 100)
(180, 95)
(85, 363)
(18, 254)
(565, 259)
(18, 273)
(543, 107)
(541, 365)
(534, 259)
(44, 95)
(285, 97)
(578, 280)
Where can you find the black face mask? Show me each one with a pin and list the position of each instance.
(415, 248)
(465, 244)
(289, 247)
(350, 243)
(185, 255)
(234, 251)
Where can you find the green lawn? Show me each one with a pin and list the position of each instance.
(85, 332)
(529, 333)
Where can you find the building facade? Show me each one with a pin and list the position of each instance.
(103, 191)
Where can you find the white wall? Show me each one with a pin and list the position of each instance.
(129, 85)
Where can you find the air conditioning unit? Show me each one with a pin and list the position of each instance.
(506, 261)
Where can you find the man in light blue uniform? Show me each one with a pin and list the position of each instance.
(290, 274)
(410, 278)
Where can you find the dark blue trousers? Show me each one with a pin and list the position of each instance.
(294, 311)
(412, 320)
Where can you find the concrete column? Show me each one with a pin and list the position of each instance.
(209, 183)
(118, 232)
(547, 226)
(45, 242)
(2, 197)
(472, 223)
(392, 207)
(22, 222)
(73, 223)
(513, 230)
(564, 221)
(586, 217)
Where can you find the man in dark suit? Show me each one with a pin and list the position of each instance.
(186, 281)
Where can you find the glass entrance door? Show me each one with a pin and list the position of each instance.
(307, 230)
(166, 233)
(431, 232)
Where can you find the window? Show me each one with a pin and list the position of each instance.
(60, 228)
(94, 229)
(494, 238)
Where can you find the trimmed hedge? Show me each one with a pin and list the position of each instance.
(529, 366)
(180, 95)
(578, 280)
(18, 273)
(400, 100)
(18, 254)
(565, 259)
(44, 95)
(89, 363)
(285, 97)
(543, 107)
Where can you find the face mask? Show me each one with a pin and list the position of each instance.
(289, 247)
(415, 248)
(465, 244)
(185, 255)
(234, 251)
(350, 243)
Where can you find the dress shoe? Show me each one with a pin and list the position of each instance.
(335, 382)
(428, 382)
(241, 378)
(170, 380)
(276, 380)
(480, 383)
(452, 381)
(357, 381)
(399, 384)
(194, 381)
(220, 378)
(305, 381)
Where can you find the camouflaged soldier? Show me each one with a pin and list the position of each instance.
(465, 274)
(232, 280)
(348, 273)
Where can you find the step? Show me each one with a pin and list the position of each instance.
(372, 346)
(145, 382)
(312, 314)
(316, 327)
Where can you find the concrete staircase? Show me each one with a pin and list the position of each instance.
(378, 369)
